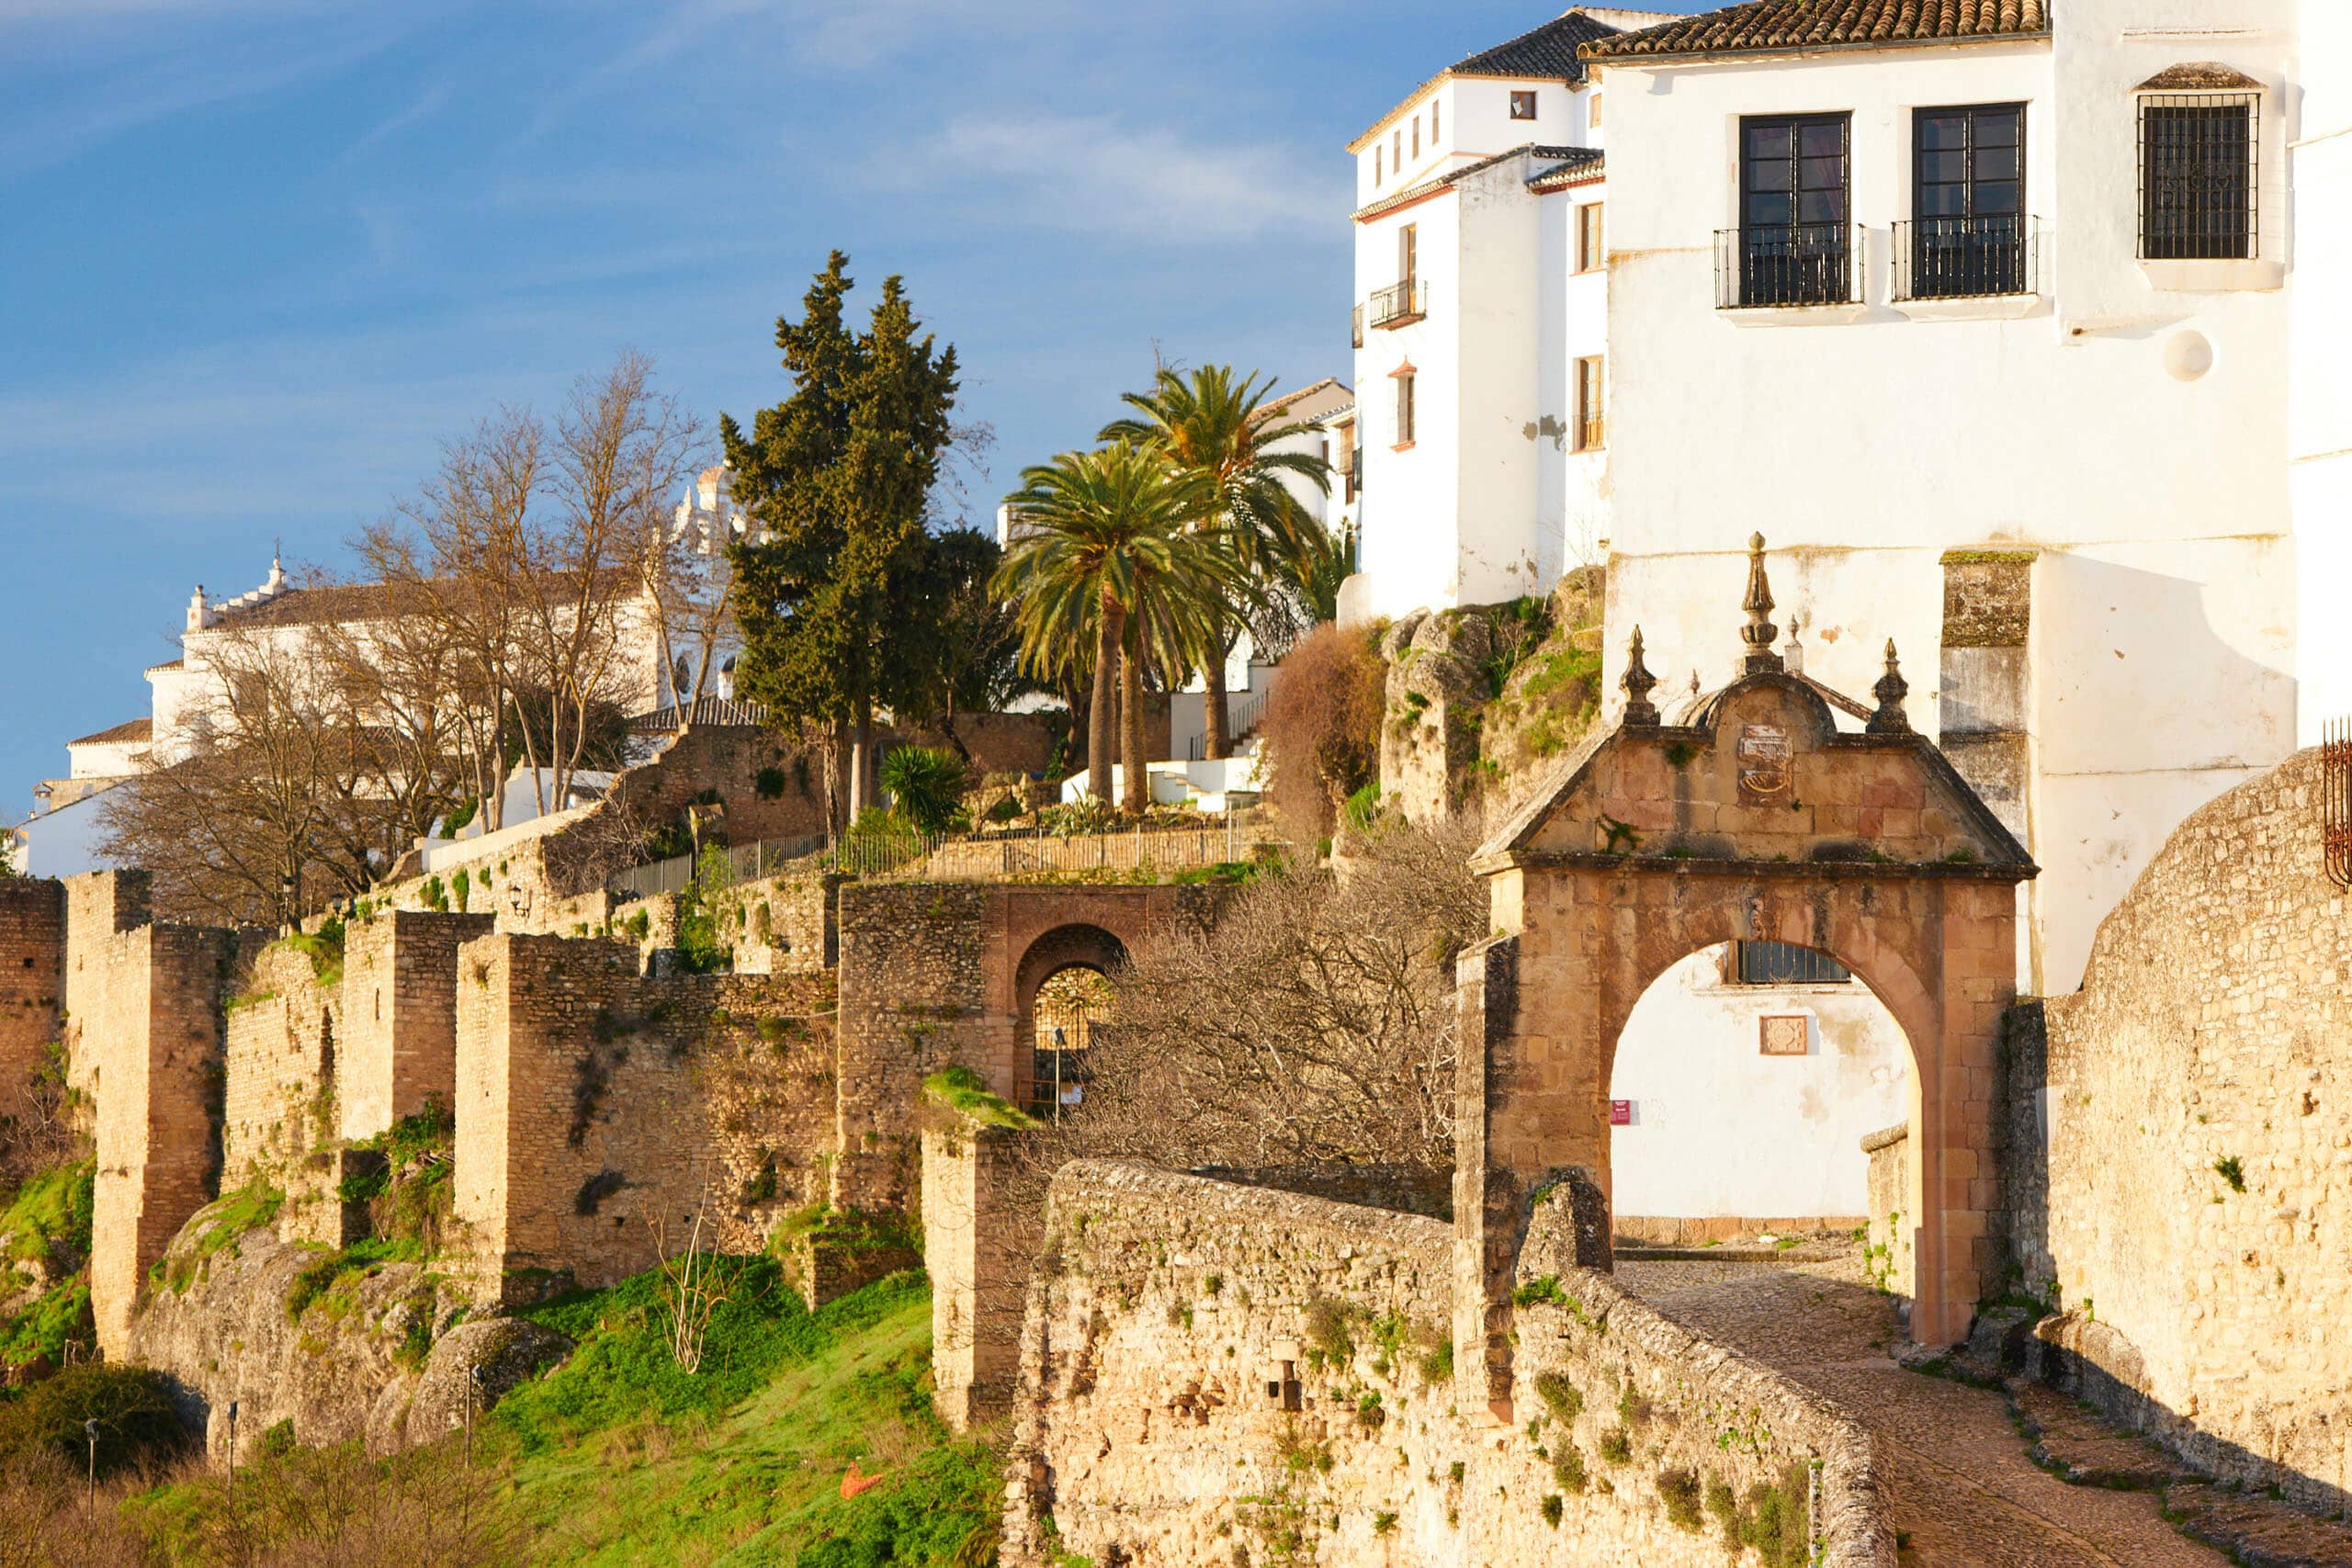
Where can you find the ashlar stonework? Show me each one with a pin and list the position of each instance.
(1756, 820)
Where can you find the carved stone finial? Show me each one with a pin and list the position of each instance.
(1759, 632)
(1640, 712)
(1890, 718)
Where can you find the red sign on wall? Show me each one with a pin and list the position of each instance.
(1621, 1113)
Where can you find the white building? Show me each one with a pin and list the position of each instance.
(1481, 325)
(2319, 399)
(190, 693)
(2020, 329)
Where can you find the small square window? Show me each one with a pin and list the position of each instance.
(1523, 105)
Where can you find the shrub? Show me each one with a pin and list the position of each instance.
(1679, 1490)
(2231, 1171)
(1567, 1465)
(137, 1424)
(1616, 1445)
(926, 784)
(1553, 1509)
(1563, 1398)
(1318, 734)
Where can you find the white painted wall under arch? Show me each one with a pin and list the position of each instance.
(1720, 1130)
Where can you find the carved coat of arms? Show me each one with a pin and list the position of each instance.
(1763, 756)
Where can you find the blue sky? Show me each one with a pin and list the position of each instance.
(261, 255)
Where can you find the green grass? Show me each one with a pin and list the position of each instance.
(52, 1207)
(323, 948)
(960, 1089)
(622, 1457)
(225, 1219)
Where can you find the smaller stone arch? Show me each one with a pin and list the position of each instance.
(1077, 945)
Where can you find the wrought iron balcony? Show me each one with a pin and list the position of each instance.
(1965, 258)
(1399, 304)
(1788, 264)
(1355, 327)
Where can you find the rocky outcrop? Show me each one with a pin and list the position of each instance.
(493, 1355)
(231, 1335)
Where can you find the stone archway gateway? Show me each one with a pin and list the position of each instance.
(1751, 819)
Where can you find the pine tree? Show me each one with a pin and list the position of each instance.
(837, 482)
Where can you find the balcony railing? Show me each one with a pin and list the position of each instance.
(1399, 304)
(1355, 327)
(1788, 264)
(1965, 258)
(1592, 434)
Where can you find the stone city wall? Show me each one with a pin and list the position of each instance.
(280, 1068)
(99, 906)
(399, 1017)
(32, 979)
(1221, 1373)
(2180, 1149)
(151, 1046)
(599, 1109)
(939, 974)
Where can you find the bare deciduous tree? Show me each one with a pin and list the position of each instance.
(1314, 1022)
(292, 793)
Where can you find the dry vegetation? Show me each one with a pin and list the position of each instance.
(1315, 1021)
(1319, 732)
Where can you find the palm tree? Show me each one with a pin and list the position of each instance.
(1105, 552)
(1218, 430)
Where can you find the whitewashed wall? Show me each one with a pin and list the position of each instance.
(1865, 442)
(1720, 1129)
(2320, 401)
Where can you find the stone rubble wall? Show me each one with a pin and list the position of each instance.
(32, 979)
(1209, 1369)
(2179, 1167)
(599, 1109)
(280, 1068)
(1888, 1246)
(784, 924)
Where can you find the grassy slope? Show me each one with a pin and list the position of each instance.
(620, 1458)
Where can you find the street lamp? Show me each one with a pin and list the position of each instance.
(232, 1460)
(90, 1430)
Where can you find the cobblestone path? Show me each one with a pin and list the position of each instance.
(1965, 1493)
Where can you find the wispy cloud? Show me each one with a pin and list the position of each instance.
(1092, 173)
(426, 104)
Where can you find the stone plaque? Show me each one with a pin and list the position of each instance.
(1763, 760)
(1783, 1036)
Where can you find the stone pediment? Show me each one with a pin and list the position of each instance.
(1761, 774)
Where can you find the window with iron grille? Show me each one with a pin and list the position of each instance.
(1590, 253)
(1783, 964)
(2197, 168)
(1592, 389)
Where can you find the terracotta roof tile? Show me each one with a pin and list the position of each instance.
(1546, 53)
(1820, 24)
(129, 729)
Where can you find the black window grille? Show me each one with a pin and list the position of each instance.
(1794, 245)
(2199, 167)
(1785, 964)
